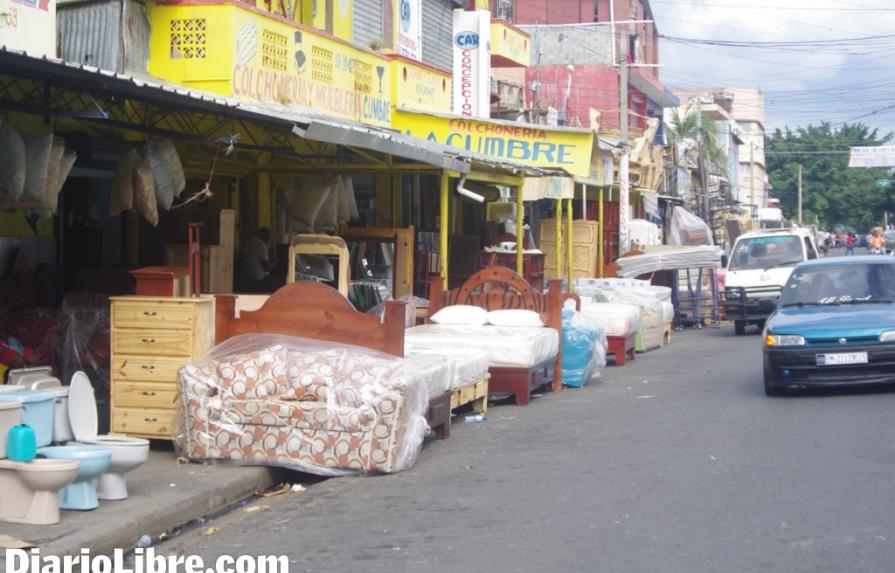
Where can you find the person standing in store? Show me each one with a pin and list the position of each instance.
(257, 264)
(850, 244)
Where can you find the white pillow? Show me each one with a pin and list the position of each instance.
(514, 317)
(461, 314)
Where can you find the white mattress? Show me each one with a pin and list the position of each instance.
(616, 319)
(517, 346)
(667, 311)
(468, 365)
(436, 370)
(590, 287)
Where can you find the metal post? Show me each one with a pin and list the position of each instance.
(569, 234)
(445, 196)
(800, 194)
(752, 174)
(623, 184)
(601, 237)
(558, 257)
(520, 242)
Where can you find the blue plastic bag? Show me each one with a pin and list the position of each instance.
(583, 350)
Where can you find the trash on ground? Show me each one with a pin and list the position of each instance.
(144, 541)
(298, 488)
(282, 488)
(475, 419)
(210, 531)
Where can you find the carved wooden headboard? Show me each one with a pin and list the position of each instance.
(496, 288)
(313, 310)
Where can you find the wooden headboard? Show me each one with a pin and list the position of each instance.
(496, 288)
(313, 310)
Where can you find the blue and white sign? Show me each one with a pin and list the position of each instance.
(410, 27)
(472, 63)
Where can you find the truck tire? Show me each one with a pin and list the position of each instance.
(739, 327)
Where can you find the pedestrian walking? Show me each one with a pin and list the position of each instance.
(850, 244)
(877, 242)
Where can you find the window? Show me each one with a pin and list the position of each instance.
(273, 50)
(322, 65)
(809, 249)
(187, 38)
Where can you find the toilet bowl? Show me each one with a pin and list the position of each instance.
(9, 417)
(37, 411)
(92, 461)
(127, 453)
(29, 492)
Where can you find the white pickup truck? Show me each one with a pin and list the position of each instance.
(759, 265)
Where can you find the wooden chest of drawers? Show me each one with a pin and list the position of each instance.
(152, 337)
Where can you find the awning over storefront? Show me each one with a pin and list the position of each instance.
(54, 88)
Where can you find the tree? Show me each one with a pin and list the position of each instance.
(840, 196)
(684, 127)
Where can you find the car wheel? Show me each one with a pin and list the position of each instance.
(739, 327)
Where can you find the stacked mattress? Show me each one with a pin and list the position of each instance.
(615, 319)
(448, 368)
(504, 346)
(669, 258)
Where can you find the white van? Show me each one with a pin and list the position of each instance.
(759, 265)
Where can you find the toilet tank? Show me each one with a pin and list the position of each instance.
(10, 413)
(36, 411)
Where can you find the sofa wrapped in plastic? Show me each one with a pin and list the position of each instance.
(316, 407)
(584, 348)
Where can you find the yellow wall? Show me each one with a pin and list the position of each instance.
(260, 58)
(419, 86)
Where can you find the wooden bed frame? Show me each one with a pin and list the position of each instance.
(313, 310)
(497, 288)
(621, 348)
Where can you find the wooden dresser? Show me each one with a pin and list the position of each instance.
(152, 337)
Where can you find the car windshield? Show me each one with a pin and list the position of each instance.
(766, 252)
(840, 284)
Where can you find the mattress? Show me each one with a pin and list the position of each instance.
(590, 287)
(667, 311)
(615, 318)
(468, 365)
(436, 369)
(505, 346)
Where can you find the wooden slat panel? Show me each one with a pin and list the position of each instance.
(153, 314)
(152, 342)
(131, 368)
(148, 422)
(144, 394)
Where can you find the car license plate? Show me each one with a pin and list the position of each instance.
(842, 358)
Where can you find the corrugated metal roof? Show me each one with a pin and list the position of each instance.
(309, 124)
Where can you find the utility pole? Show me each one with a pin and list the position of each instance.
(623, 184)
(752, 173)
(703, 175)
(800, 194)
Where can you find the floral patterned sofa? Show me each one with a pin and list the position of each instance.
(323, 409)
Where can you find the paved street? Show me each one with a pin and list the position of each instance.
(674, 463)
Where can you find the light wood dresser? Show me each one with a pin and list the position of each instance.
(152, 337)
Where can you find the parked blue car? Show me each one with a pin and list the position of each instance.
(834, 325)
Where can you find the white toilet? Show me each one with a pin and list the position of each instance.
(29, 492)
(127, 453)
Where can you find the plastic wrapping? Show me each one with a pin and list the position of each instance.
(468, 365)
(122, 198)
(13, 166)
(83, 341)
(144, 191)
(348, 190)
(508, 346)
(436, 369)
(590, 287)
(583, 348)
(167, 170)
(58, 175)
(651, 311)
(305, 203)
(688, 229)
(316, 407)
(616, 319)
(644, 233)
(38, 150)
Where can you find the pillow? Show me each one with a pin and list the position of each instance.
(461, 314)
(514, 317)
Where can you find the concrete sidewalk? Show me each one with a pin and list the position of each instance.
(162, 496)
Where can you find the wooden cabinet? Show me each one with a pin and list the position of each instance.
(151, 339)
(584, 247)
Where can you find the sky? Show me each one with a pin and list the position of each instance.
(828, 79)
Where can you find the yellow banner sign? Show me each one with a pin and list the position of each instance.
(536, 145)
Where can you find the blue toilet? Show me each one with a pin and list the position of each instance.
(93, 461)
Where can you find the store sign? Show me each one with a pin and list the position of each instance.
(509, 45)
(29, 25)
(472, 63)
(275, 63)
(419, 86)
(410, 28)
(535, 145)
(535, 188)
(879, 156)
